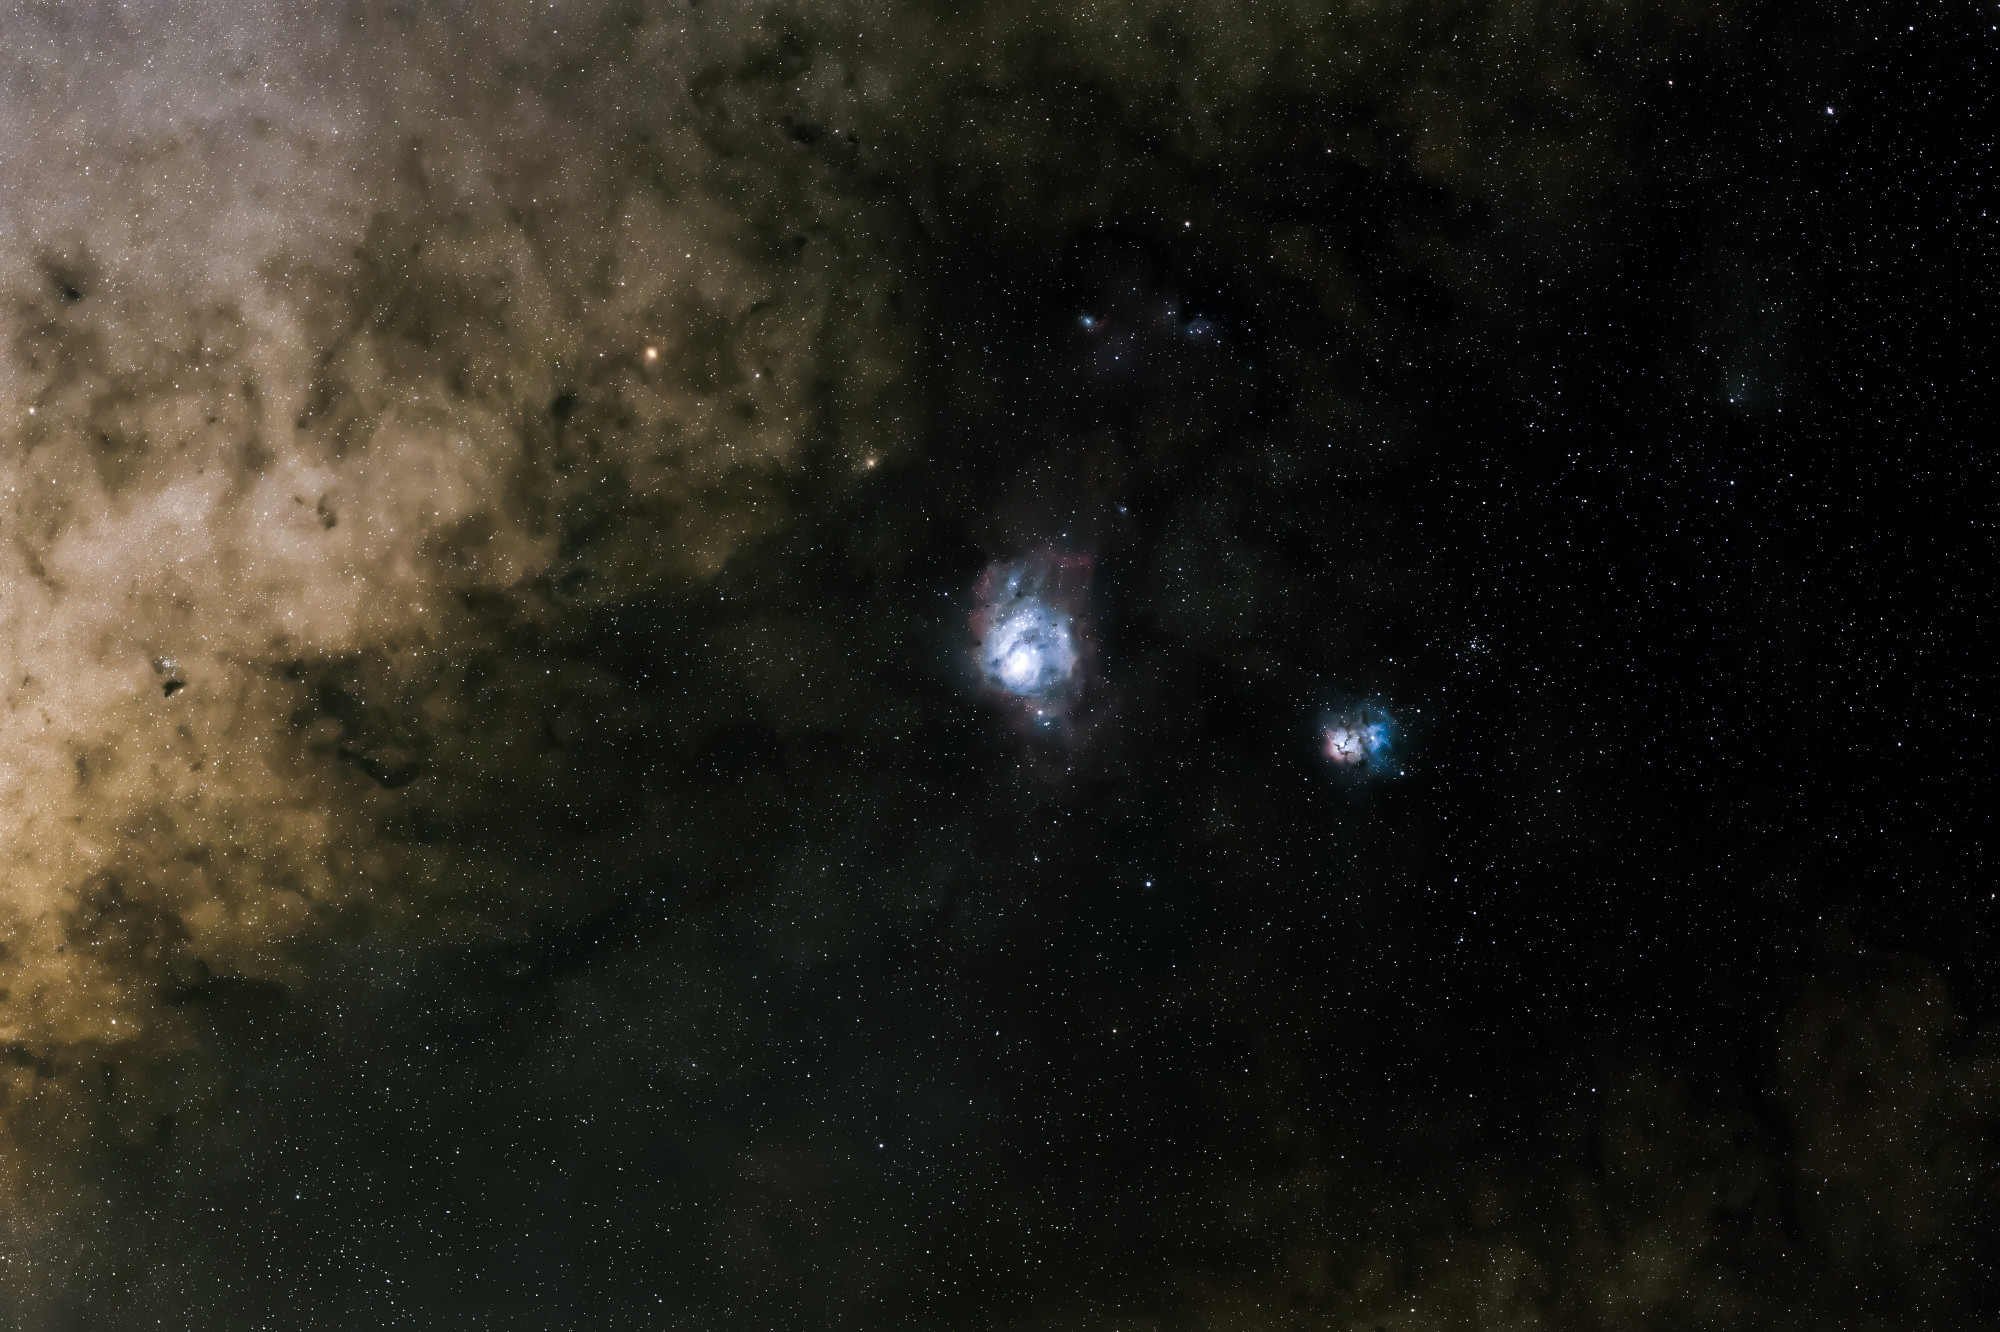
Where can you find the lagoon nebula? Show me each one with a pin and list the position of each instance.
(1027, 632)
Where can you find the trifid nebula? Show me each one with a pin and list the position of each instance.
(1012, 666)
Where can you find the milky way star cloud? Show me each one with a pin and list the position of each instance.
(317, 328)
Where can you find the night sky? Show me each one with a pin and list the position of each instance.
(1162, 666)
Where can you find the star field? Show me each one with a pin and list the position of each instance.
(1150, 666)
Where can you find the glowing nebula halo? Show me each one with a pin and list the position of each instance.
(1027, 645)
(1359, 739)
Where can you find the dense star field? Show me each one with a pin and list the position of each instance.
(1209, 666)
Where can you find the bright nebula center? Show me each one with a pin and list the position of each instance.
(1357, 739)
(1030, 650)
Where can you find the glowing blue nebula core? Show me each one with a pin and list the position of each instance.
(1358, 740)
(1029, 651)
(1031, 635)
